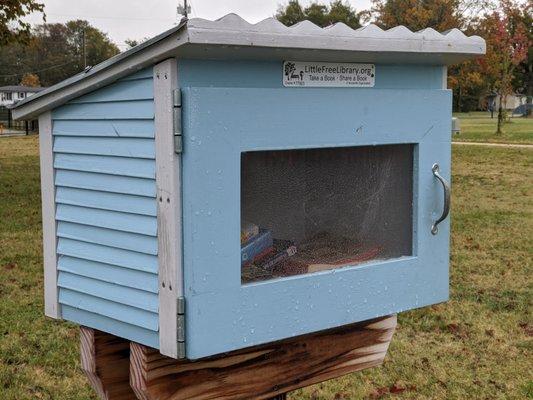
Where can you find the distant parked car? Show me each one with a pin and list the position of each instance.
(522, 109)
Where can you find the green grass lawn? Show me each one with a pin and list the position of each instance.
(479, 127)
(476, 346)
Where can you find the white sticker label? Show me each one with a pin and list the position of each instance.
(312, 74)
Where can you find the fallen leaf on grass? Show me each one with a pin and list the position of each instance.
(397, 389)
(457, 330)
(527, 328)
(379, 393)
(453, 328)
(497, 384)
(341, 396)
(9, 266)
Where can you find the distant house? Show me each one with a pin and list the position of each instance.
(512, 102)
(10, 95)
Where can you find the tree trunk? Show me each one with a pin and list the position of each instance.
(500, 117)
(529, 92)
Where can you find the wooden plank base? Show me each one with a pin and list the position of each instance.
(262, 372)
(105, 359)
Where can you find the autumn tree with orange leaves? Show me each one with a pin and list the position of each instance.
(508, 43)
(440, 15)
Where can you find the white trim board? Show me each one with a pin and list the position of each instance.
(168, 182)
(51, 303)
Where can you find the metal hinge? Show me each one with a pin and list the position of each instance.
(176, 109)
(181, 327)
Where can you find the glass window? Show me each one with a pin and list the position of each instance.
(305, 211)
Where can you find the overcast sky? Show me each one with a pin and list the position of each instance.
(137, 19)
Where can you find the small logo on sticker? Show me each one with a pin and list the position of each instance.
(292, 75)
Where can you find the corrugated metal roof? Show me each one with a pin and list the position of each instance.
(233, 37)
(454, 39)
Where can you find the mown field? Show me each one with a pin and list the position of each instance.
(480, 127)
(477, 346)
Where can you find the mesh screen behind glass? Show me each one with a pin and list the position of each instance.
(305, 211)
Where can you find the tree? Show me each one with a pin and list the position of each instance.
(131, 43)
(135, 42)
(416, 15)
(55, 52)
(12, 26)
(508, 44)
(343, 12)
(319, 14)
(468, 85)
(440, 15)
(30, 80)
(465, 79)
(523, 74)
(290, 14)
(89, 43)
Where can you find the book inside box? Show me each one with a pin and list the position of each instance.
(311, 210)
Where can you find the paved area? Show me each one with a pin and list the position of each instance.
(12, 132)
(508, 145)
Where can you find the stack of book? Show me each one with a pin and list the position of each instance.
(260, 252)
(248, 231)
(256, 246)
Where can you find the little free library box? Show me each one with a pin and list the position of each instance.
(225, 186)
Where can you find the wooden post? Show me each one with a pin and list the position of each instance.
(262, 372)
(105, 361)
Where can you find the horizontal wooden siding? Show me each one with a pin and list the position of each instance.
(104, 162)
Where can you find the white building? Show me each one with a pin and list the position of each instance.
(12, 94)
(512, 101)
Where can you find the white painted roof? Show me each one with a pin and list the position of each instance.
(231, 37)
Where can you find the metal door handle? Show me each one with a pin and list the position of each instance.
(447, 198)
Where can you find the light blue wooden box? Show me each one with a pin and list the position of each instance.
(143, 242)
